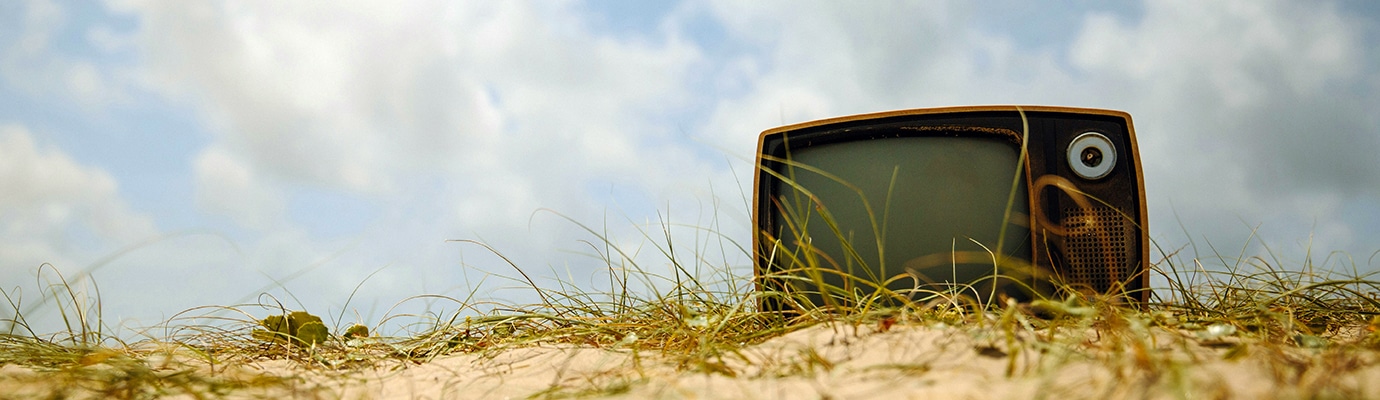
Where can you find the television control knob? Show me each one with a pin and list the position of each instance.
(1091, 155)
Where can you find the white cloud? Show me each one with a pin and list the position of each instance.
(360, 97)
(1237, 53)
(1256, 108)
(459, 119)
(31, 63)
(226, 186)
(56, 210)
(830, 59)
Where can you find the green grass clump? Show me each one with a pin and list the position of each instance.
(298, 327)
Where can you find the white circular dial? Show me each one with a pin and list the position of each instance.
(1091, 155)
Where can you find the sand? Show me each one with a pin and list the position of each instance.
(825, 362)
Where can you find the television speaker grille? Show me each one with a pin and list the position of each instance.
(1098, 247)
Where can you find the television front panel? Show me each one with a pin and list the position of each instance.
(954, 202)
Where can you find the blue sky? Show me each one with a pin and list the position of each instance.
(244, 141)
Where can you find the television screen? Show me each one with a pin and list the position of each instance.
(938, 201)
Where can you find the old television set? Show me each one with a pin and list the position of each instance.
(986, 201)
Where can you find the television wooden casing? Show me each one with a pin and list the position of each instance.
(1092, 233)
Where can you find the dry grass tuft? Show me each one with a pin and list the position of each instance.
(1244, 327)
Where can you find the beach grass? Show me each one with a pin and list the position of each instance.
(1227, 326)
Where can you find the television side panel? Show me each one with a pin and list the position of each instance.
(1090, 212)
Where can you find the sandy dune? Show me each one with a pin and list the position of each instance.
(835, 362)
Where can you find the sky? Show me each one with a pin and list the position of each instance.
(343, 156)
